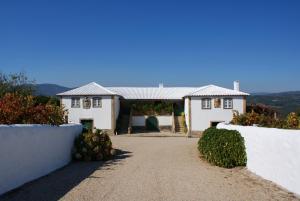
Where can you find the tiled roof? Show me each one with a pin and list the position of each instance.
(89, 89)
(212, 90)
(153, 93)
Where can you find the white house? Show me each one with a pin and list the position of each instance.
(106, 107)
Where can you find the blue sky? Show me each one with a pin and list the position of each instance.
(142, 43)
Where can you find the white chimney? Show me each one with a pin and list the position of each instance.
(161, 85)
(236, 86)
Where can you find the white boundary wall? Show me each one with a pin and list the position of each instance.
(164, 120)
(273, 154)
(28, 152)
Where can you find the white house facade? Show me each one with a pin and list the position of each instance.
(114, 108)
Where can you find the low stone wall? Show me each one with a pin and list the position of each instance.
(28, 152)
(273, 154)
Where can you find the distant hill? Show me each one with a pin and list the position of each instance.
(49, 89)
(284, 102)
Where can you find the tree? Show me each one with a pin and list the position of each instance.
(261, 109)
(20, 109)
(15, 83)
(46, 100)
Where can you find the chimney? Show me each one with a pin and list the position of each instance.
(236, 86)
(160, 85)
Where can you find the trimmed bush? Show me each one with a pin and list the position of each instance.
(224, 148)
(91, 146)
(152, 124)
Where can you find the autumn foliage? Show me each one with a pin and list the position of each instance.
(22, 109)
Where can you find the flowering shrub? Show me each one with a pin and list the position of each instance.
(292, 120)
(21, 109)
(248, 119)
(93, 146)
(13, 108)
(46, 114)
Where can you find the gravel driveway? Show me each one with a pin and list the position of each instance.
(150, 168)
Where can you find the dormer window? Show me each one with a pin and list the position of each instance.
(75, 103)
(86, 103)
(227, 103)
(206, 103)
(97, 102)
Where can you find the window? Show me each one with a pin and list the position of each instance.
(75, 103)
(217, 102)
(97, 102)
(86, 103)
(227, 103)
(206, 103)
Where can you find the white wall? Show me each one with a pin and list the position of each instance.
(141, 120)
(28, 152)
(186, 112)
(273, 154)
(100, 116)
(117, 107)
(201, 118)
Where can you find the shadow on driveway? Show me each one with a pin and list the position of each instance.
(55, 185)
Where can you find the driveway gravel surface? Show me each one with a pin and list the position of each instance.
(150, 168)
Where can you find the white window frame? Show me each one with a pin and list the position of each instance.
(206, 103)
(97, 102)
(75, 102)
(227, 103)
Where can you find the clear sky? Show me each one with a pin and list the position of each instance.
(142, 43)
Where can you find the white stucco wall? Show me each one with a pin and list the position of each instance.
(186, 111)
(162, 120)
(272, 154)
(117, 107)
(28, 152)
(202, 118)
(100, 116)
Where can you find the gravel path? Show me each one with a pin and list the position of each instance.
(148, 168)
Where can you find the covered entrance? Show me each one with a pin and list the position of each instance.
(150, 116)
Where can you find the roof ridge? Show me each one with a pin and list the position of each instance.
(85, 87)
(201, 88)
(102, 87)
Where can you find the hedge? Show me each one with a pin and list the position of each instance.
(224, 148)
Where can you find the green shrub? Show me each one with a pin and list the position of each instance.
(152, 108)
(152, 124)
(224, 148)
(93, 146)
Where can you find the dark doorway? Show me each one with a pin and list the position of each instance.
(214, 123)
